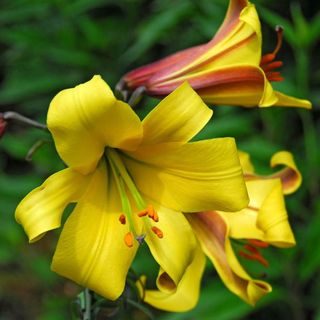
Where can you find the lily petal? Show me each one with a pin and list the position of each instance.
(181, 296)
(265, 218)
(177, 118)
(174, 251)
(245, 162)
(290, 175)
(233, 84)
(41, 210)
(91, 250)
(288, 101)
(85, 119)
(197, 176)
(212, 232)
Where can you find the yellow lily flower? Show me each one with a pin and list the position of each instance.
(131, 181)
(263, 222)
(229, 69)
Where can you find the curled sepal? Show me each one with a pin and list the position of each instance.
(172, 296)
(213, 234)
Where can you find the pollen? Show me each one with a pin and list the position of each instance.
(128, 239)
(157, 232)
(122, 219)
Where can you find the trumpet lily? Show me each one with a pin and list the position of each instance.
(131, 180)
(228, 70)
(264, 222)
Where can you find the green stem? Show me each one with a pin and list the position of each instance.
(87, 300)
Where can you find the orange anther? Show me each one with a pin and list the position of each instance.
(122, 219)
(158, 232)
(150, 211)
(152, 214)
(255, 257)
(142, 213)
(251, 248)
(155, 216)
(267, 58)
(128, 239)
(258, 243)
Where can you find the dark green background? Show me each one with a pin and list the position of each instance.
(46, 46)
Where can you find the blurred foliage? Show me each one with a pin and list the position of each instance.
(50, 45)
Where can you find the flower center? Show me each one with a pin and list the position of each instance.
(252, 251)
(125, 184)
(267, 62)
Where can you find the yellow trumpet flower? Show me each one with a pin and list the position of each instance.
(131, 180)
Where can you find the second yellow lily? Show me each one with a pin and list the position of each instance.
(264, 222)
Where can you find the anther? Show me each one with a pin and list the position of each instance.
(128, 239)
(152, 214)
(142, 213)
(258, 243)
(255, 257)
(157, 232)
(122, 219)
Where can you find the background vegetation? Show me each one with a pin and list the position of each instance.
(50, 45)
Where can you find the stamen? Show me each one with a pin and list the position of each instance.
(255, 257)
(266, 58)
(274, 76)
(142, 213)
(157, 232)
(128, 239)
(258, 243)
(253, 246)
(122, 219)
(267, 62)
(152, 214)
(272, 65)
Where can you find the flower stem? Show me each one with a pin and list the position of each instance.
(11, 115)
(87, 306)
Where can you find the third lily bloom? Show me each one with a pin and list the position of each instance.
(229, 69)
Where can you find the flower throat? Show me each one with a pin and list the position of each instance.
(124, 184)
